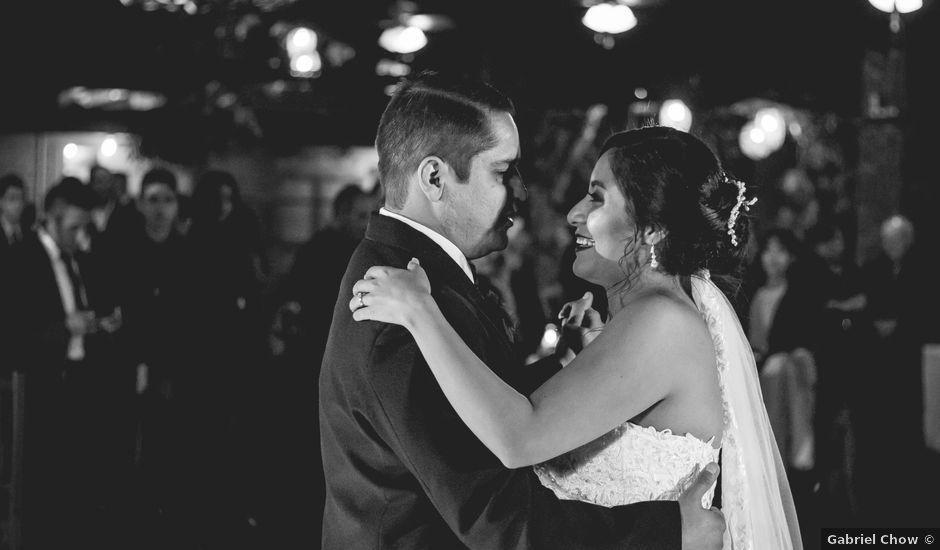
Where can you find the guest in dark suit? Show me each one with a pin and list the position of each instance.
(115, 218)
(156, 302)
(12, 234)
(312, 284)
(65, 326)
(402, 470)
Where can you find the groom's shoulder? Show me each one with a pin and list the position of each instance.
(370, 252)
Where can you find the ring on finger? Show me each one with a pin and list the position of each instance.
(360, 295)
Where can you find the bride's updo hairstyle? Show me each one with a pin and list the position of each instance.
(674, 183)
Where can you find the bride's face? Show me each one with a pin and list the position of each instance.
(603, 228)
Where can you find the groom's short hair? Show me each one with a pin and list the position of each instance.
(434, 114)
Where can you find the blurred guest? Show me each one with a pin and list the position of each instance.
(226, 238)
(12, 205)
(779, 307)
(229, 350)
(800, 208)
(843, 353)
(228, 233)
(184, 214)
(311, 286)
(114, 215)
(65, 322)
(12, 233)
(897, 285)
(302, 324)
(156, 304)
(13, 230)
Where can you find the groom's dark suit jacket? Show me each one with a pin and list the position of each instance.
(403, 471)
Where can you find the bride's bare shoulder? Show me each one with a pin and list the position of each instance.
(669, 323)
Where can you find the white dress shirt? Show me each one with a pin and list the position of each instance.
(76, 350)
(442, 241)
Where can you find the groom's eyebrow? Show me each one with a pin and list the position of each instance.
(507, 162)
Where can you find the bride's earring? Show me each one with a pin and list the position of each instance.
(654, 263)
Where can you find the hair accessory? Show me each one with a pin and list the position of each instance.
(738, 205)
(654, 263)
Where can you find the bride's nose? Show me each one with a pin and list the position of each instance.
(576, 215)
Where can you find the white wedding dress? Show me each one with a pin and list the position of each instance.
(630, 464)
(634, 463)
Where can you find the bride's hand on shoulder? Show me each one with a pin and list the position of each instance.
(391, 295)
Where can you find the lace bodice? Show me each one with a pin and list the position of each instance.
(629, 464)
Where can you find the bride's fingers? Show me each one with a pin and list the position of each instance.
(367, 287)
(377, 271)
(573, 312)
(362, 314)
(592, 319)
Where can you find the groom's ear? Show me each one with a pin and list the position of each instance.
(431, 173)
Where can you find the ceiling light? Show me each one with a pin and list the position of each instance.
(108, 147)
(771, 122)
(610, 18)
(902, 6)
(306, 65)
(403, 40)
(301, 40)
(388, 67)
(112, 99)
(70, 150)
(675, 114)
(753, 142)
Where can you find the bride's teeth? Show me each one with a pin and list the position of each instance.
(584, 241)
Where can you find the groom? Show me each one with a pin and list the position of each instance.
(402, 470)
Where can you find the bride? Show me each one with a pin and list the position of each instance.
(669, 383)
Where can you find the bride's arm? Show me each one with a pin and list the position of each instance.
(631, 366)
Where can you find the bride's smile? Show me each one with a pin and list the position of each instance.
(604, 232)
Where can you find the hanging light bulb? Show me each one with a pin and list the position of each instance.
(610, 18)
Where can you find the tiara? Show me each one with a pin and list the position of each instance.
(740, 203)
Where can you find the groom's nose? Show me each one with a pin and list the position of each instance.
(517, 190)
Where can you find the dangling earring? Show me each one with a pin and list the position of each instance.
(653, 262)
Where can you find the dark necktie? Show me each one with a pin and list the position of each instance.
(494, 306)
(78, 288)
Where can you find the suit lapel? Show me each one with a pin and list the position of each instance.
(442, 271)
